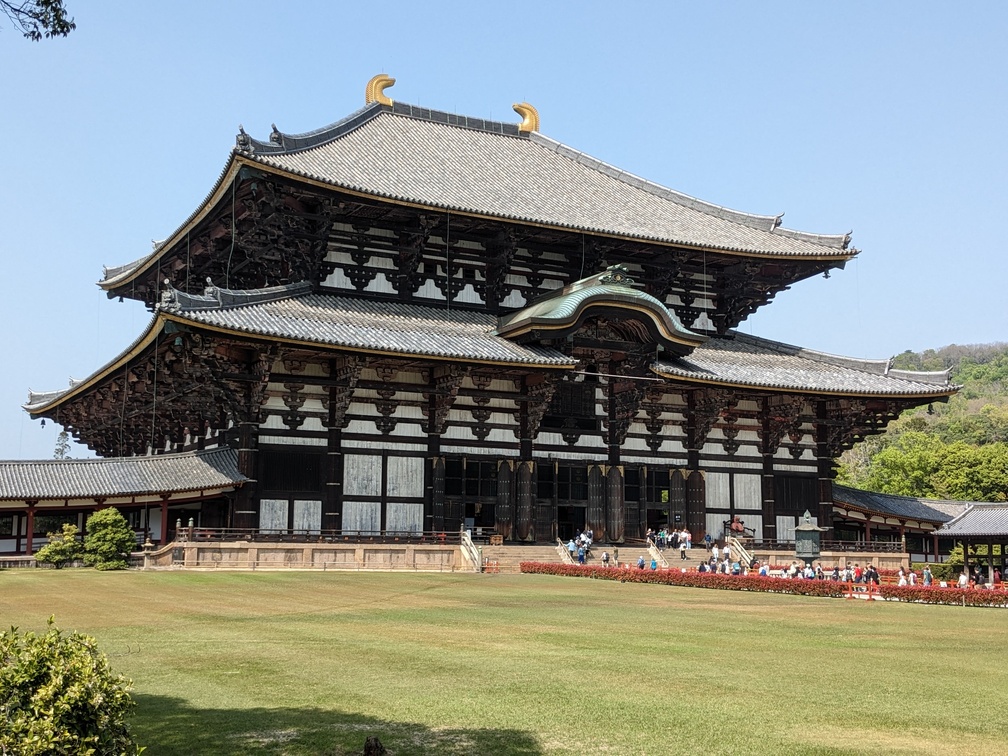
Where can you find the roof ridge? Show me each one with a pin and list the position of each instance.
(283, 143)
(168, 456)
(216, 298)
(923, 376)
(280, 142)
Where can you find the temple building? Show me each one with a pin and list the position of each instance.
(412, 320)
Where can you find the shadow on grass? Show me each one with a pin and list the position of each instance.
(167, 725)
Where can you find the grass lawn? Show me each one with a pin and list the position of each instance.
(312, 663)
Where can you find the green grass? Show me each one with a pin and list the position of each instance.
(310, 663)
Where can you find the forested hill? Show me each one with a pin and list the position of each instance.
(953, 450)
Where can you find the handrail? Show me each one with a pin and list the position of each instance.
(744, 557)
(564, 552)
(657, 555)
(469, 551)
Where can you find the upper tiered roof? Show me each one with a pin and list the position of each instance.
(424, 158)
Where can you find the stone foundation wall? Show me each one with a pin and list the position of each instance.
(322, 556)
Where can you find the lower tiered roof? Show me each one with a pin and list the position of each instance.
(934, 511)
(117, 477)
(294, 315)
(751, 362)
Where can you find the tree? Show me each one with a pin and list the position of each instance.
(62, 446)
(109, 540)
(906, 466)
(58, 695)
(36, 19)
(62, 547)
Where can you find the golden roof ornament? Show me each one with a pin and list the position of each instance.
(375, 90)
(530, 117)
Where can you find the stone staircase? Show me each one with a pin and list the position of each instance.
(509, 558)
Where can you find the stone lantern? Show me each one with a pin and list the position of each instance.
(807, 535)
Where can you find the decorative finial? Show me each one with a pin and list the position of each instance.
(530, 117)
(275, 136)
(243, 140)
(375, 90)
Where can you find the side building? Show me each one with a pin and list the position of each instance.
(418, 321)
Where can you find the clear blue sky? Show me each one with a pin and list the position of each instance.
(888, 119)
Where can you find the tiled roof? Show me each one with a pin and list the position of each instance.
(292, 313)
(487, 168)
(215, 469)
(377, 326)
(743, 360)
(905, 507)
(438, 160)
(979, 519)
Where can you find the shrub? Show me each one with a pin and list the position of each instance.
(109, 540)
(59, 696)
(62, 547)
(822, 588)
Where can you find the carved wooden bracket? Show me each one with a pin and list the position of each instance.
(780, 415)
(446, 381)
(345, 371)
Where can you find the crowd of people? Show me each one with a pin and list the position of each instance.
(720, 560)
(580, 545)
(671, 538)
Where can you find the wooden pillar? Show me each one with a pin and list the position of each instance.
(867, 529)
(524, 528)
(824, 465)
(30, 529)
(332, 508)
(247, 501)
(595, 519)
(504, 513)
(523, 494)
(164, 521)
(934, 546)
(696, 507)
(767, 483)
(440, 521)
(434, 514)
(616, 506)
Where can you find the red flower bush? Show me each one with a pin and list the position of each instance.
(823, 588)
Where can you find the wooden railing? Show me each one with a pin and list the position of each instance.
(882, 547)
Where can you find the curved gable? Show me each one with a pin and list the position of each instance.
(609, 296)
